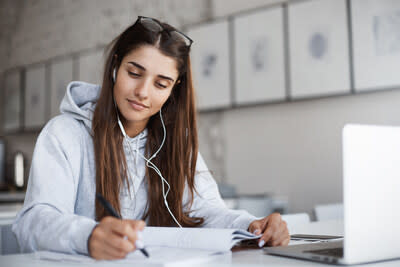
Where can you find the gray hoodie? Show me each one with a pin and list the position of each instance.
(59, 208)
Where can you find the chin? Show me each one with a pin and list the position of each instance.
(137, 117)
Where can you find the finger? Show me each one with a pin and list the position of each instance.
(280, 235)
(279, 232)
(258, 226)
(100, 249)
(255, 228)
(132, 237)
(279, 238)
(126, 230)
(264, 223)
(276, 223)
(286, 242)
(285, 234)
(103, 242)
(119, 243)
(265, 237)
(138, 225)
(273, 229)
(108, 221)
(121, 227)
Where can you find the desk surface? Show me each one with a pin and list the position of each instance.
(251, 257)
(246, 257)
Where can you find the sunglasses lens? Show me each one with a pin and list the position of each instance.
(180, 37)
(151, 25)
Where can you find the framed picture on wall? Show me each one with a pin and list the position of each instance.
(91, 66)
(376, 43)
(35, 97)
(11, 102)
(211, 64)
(61, 73)
(259, 56)
(318, 48)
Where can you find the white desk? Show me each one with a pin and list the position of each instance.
(249, 257)
(240, 258)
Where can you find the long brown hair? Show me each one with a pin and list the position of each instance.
(176, 160)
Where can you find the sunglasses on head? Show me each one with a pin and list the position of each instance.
(156, 27)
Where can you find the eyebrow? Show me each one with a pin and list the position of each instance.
(144, 69)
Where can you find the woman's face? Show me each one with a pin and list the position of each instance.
(143, 84)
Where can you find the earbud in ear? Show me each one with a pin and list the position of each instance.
(114, 74)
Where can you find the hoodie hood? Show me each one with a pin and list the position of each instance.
(80, 101)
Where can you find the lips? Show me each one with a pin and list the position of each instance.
(137, 105)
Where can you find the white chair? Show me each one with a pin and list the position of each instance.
(332, 211)
(295, 219)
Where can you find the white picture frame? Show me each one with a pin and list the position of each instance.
(35, 97)
(91, 65)
(318, 48)
(376, 44)
(211, 64)
(61, 74)
(12, 106)
(259, 56)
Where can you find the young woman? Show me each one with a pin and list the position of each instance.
(134, 141)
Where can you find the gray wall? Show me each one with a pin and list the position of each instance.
(294, 149)
(36, 31)
(290, 149)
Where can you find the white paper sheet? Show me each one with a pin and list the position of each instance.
(171, 246)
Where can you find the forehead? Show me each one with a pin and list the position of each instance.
(153, 61)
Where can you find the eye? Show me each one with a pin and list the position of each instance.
(161, 85)
(134, 74)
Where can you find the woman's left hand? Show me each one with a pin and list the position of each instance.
(273, 228)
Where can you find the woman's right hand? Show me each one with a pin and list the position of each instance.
(113, 238)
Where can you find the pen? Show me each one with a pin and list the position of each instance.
(139, 244)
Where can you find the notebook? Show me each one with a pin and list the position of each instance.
(170, 246)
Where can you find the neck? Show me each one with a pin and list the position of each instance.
(132, 129)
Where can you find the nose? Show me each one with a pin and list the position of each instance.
(142, 89)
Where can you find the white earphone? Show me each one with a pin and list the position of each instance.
(150, 164)
(114, 74)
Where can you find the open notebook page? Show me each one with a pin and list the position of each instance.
(169, 245)
(198, 238)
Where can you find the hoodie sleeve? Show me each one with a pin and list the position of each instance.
(208, 204)
(47, 220)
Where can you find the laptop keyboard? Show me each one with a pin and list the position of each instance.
(335, 252)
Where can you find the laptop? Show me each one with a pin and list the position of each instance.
(371, 200)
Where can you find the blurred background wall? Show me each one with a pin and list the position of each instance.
(290, 149)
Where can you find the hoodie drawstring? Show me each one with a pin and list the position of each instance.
(137, 153)
(136, 156)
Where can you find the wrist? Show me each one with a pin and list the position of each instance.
(88, 240)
